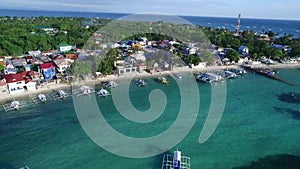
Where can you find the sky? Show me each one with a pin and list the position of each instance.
(271, 9)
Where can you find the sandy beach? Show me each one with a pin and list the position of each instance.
(6, 97)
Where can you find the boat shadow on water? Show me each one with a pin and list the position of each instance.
(290, 97)
(281, 161)
(294, 113)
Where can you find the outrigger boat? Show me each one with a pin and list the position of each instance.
(230, 74)
(60, 94)
(84, 90)
(178, 75)
(14, 105)
(102, 92)
(24, 167)
(140, 82)
(177, 161)
(163, 80)
(40, 98)
(110, 84)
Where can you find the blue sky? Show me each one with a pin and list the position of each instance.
(283, 9)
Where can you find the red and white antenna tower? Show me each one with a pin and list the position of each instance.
(238, 26)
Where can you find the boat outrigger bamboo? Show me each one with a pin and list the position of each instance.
(60, 95)
(14, 105)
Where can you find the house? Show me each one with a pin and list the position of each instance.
(243, 50)
(48, 70)
(64, 47)
(29, 59)
(34, 53)
(10, 69)
(19, 62)
(72, 56)
(15, 82)
(63, 64)
(124, 67)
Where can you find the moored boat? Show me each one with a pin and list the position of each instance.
(61, 94)
(42, 97)
(230, 74)
(110, 84)
(177, 75)
(163, 80)
(176, 161)
(140, 82)
(15, 105)
(103, 92)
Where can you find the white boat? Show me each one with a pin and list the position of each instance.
(61, 94)
(103, 92)
(209, 77)
(85, 90)
(238, 71)
(15, 105)
(140, 82)
(267, 61)
(176, 161)
(178, 75)
(24, 167)
(110, 84)
(230, 74)
(42, 97)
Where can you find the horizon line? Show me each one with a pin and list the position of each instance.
(179, 15)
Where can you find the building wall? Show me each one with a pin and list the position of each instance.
(16, 87)
(31, 86)
(48, 73)
(65, 48)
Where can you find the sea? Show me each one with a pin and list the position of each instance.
(281, 27)
(261, 118)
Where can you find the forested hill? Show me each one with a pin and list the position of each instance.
(20, 35)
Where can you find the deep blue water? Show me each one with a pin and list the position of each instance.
(277, 26)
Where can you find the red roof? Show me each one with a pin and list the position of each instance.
(12, 78)
(47, 65)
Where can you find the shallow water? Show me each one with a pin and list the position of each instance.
(259, 120)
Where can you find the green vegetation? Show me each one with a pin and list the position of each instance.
(20, 35)
(257, 46)
(233, 55)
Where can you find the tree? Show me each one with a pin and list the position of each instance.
(105, 67)
(80, 67)
(233, 55)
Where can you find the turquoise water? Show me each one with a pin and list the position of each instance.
(259, 119)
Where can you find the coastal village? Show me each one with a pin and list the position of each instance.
(37, 70)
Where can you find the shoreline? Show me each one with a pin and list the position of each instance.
(6, 97)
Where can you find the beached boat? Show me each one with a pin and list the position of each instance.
(230, 74)
(140, 82)
(110, 84)
(102, 92)
(163, 80)
(14, 105)
(177, 161)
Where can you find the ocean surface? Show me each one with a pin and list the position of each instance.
(257, 25)
(261, 118)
